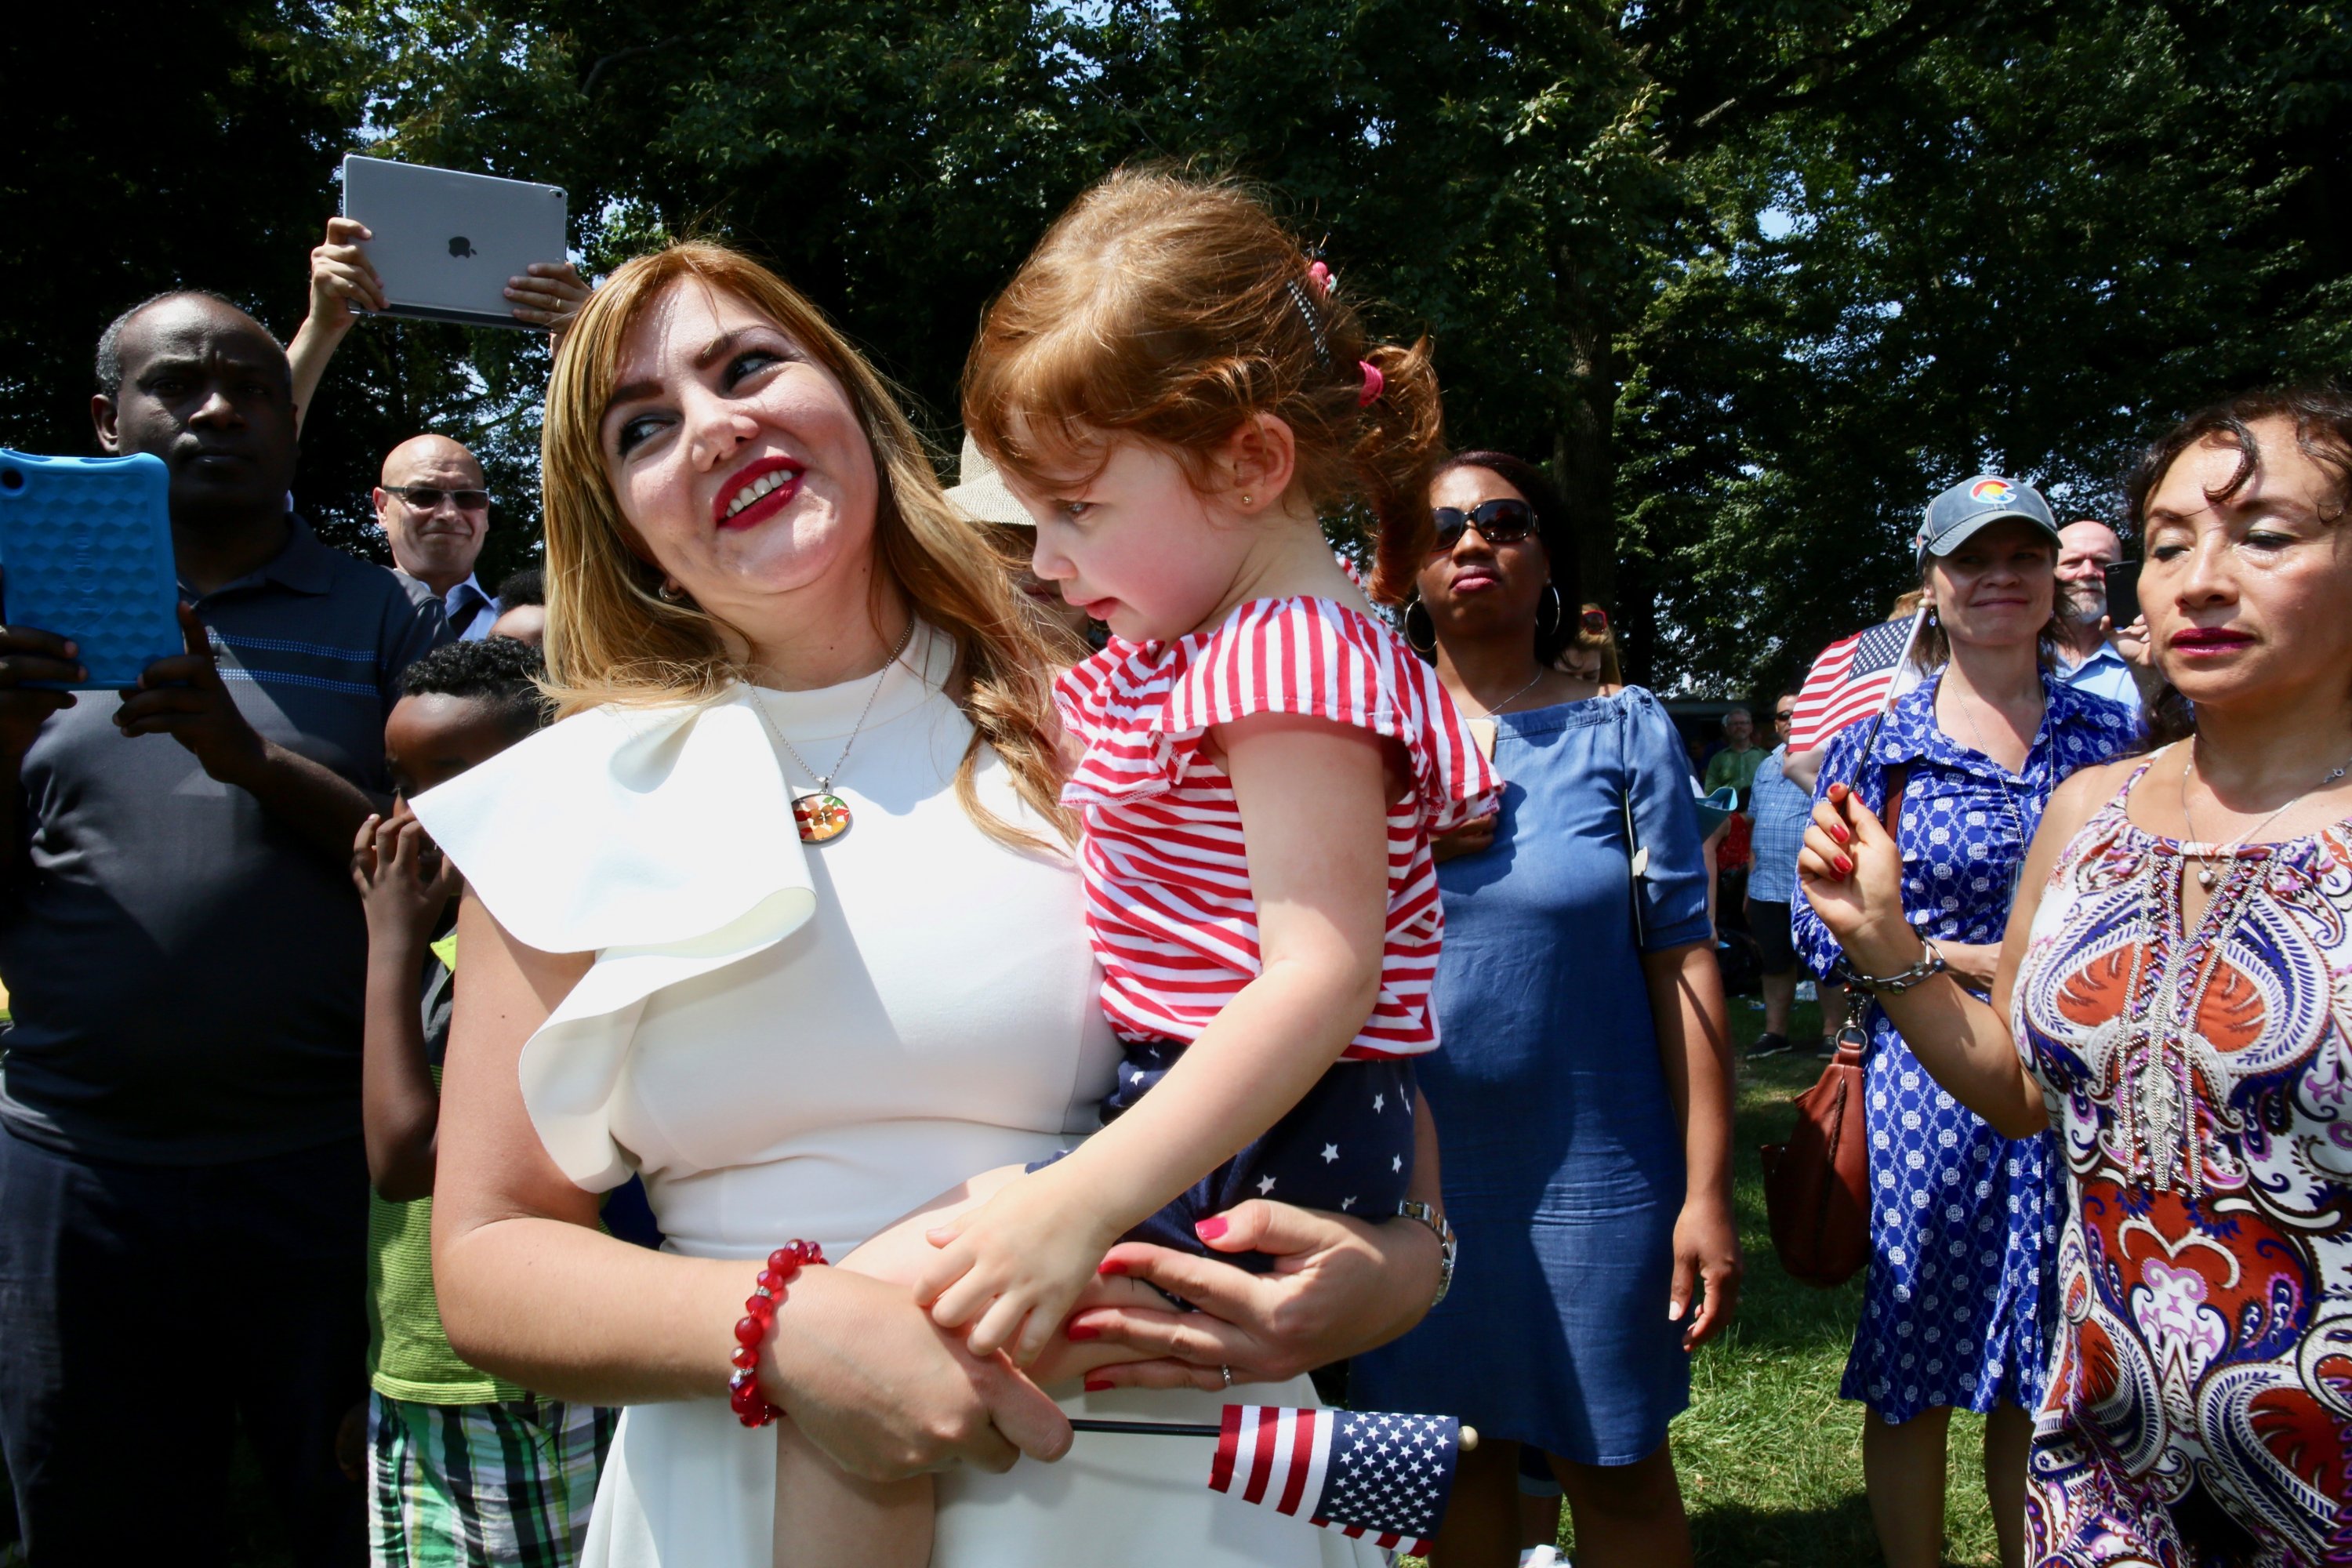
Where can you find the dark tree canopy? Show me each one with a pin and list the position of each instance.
(1753, 278)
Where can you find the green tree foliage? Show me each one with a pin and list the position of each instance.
(1754, 276)
(145, 148)
(2027, 250)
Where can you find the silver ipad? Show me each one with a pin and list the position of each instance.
(446, 242)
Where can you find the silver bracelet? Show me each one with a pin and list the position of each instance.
(1931, 964)
(1447, 1246)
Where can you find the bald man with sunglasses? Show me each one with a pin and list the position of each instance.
(436, 511)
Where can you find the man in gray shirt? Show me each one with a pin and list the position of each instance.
(185, 1187)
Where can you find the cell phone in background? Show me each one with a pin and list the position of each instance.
(86, 555)
(2123, 593)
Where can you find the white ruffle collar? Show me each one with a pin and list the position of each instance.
(660, 839)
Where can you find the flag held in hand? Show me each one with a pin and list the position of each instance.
(1853, 677)
(1361, 1472)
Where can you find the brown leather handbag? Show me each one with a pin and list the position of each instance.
(1817, 1184)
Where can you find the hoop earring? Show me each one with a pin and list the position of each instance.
(1557, 609)
(1410, 641)
(670, 593)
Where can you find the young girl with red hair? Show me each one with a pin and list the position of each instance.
(1176, 392)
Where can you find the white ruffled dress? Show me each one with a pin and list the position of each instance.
(786, 1041)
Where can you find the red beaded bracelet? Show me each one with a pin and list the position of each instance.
(743, 1396)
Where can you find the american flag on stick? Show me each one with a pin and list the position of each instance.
(1853, 679)
(1360, 1472)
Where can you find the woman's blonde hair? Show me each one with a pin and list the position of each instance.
(1171, 307)
(611, 639)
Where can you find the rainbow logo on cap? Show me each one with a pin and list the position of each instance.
(1992, 492)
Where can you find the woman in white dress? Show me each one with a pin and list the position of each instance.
(759, 596)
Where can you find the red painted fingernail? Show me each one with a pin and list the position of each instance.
(1098, 1384)
(1081, 1331)
(1110, 1265)
(1845, 866)
(1840, 834)
(1210, 1229)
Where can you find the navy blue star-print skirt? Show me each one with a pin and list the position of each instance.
(1345, 1147)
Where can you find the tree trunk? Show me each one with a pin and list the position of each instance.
(1583, 456)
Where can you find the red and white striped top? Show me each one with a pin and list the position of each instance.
(1168, 895)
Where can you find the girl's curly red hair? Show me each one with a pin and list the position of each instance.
(1172, 309)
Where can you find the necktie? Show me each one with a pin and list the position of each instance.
(461, 619)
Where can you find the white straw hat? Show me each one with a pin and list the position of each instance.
(980, 494)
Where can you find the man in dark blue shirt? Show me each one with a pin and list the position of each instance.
(182, 1181)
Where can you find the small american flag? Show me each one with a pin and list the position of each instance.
(1852, 679)
(1360, 1472)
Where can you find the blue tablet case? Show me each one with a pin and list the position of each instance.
(85, 544)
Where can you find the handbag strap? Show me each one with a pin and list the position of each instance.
(1898, 778)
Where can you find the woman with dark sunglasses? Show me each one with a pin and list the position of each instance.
(1598, 1248)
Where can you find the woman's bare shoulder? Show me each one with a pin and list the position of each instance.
(2081, 794)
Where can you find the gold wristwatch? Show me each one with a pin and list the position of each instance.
(1446, 1245)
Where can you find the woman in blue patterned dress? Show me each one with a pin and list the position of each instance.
(1963, 1221)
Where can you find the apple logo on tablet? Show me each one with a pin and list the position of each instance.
(460, 245)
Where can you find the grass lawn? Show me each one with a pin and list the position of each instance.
(1771, 1457)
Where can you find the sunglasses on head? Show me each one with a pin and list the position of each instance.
(424, 498)
(1505, 521)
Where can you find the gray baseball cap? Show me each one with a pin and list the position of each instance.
(979, 493)
(1956, 515)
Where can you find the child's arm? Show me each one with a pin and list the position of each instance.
(400, 1109)
(1314, 800)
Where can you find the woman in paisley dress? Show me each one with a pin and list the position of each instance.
(1963, 1220)
(2169, 996)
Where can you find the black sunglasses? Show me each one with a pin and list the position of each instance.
(1784, 716)
(424, 498)
(1503, 520)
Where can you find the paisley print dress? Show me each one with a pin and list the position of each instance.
(2199, 1401)
(1956, 1308)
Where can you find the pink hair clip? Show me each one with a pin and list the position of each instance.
(1374, 384)
(1320, 276)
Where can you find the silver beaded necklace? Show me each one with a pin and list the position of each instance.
(2224, 852)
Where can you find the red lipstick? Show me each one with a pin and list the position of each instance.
(771, 483)
(2207, 642)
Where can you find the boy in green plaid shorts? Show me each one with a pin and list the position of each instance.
(465, 1470)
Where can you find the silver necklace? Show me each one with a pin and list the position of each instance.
(2160, 1108)
(1515, 696)
(822, 816)
(2204, 862)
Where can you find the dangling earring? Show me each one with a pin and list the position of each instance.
(1409, 640)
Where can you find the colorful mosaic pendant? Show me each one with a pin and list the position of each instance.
(821, 817)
